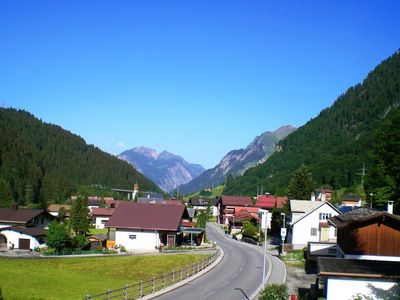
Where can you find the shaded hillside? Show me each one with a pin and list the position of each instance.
(40, 162)
(236, 162)
(335, 144)
(167, 170)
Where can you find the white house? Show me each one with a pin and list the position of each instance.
(23, 237)
(26, 217)
(101, 216)
(308, 222)
(201, 204)
(145, 226)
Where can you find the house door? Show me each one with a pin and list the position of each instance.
(3, 239)
(324, 234)
(24, 244)
(171, 240)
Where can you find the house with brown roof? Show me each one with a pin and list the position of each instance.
(144, 226)
(54, 210)
(101, 216)
(23, 228)
(201, 204)
(368, 234)
(269, 203)
(228, 204)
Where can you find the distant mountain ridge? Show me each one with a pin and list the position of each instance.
(236, 162)
(167, 170)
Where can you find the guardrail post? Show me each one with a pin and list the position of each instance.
(140, 288)
(108, 294)
(173, 277)
(193, 268)
(163, 281)
(187, 272)
(181, 275)
(126, 292)
(153, 285)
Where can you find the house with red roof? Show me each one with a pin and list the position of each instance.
(101, 216)
(228, 204)
(269, 203)
(146, 226)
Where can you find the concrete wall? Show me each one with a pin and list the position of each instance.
(137, 240)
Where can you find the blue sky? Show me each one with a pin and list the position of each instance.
(196, 78)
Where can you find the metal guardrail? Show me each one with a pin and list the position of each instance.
(144, 288)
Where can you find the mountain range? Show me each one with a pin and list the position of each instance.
(236, 162)
(167, 170)
(336, 144)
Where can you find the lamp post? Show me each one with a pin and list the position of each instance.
(264, 217)
(370, 201)
(283, 231)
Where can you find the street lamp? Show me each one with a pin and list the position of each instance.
(264, 213)
(283, 232)
(370, 201)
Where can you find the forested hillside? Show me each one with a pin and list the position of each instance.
(42, 163)
(336, 143)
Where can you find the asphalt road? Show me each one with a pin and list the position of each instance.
(237, 276)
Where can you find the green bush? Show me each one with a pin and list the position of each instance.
(274, 292)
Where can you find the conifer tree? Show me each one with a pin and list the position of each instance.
(301, 184)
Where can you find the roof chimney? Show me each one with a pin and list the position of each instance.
(390, 207)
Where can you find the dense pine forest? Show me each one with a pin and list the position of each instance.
(42, 163)
(359, 128)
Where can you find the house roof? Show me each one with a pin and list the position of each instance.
(304, 205)
(147, 216)
(236, 201)
(56, 207)
(200, 201)
(358, 268)
(32, 231)
(359, 215)
(242, 215)
(312, 208)
(102, 211)
(269, 201)
(18, 215)
(113, 202)
(350, 197)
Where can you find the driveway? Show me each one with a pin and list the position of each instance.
(237, 276)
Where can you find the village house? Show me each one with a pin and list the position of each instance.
(101, 216)
(144, 226)
(322, 194)
(241, 214)
(228, 204)
(351, 200)
(54, 210)
(201, 204)
(23, 228)
(367, 254)
(308, 222)
(269, 203)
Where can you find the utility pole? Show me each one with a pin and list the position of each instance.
(362, 174)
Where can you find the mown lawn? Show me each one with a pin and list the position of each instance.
(73, 278)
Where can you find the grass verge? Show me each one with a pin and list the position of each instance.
(73, 278)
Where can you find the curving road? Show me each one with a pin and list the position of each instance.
(237, 276)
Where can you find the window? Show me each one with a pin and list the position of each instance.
(103, 221)
(132, 236)
(314, 231)
(324, 216)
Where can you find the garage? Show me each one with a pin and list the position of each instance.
(24, 244)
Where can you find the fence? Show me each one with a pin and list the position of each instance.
(143, 288)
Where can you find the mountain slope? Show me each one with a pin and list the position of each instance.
(335, 144)
(166, 169)
(40, 162)
(237, 162)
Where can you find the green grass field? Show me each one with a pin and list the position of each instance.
(216, 191)
(73, 278)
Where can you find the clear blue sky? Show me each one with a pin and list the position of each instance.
(196, 78)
